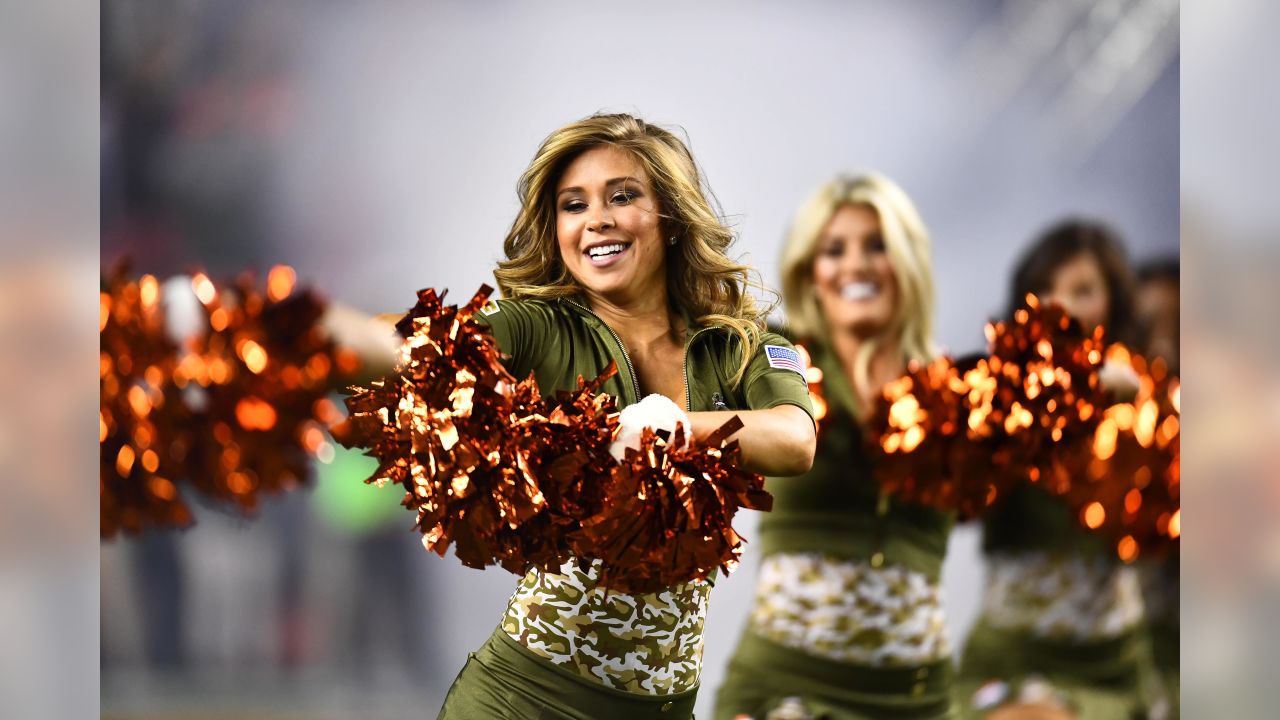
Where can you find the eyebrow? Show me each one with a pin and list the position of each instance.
(613, 181)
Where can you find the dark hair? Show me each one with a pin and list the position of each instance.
(1061, 244)
(1162, 268)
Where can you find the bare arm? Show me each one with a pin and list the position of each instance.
(372, 337)
(779, 441)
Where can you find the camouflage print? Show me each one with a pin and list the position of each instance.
(648, 644)
(1062, 596)
(849, 611)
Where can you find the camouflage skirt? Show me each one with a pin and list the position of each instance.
(771, 681)
(505, 680)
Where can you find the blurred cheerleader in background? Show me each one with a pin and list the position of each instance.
(1062, 630)
(848, 619)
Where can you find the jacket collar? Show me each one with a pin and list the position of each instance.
(579, 305)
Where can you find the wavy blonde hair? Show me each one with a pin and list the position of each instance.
(907, 243)
(701, 279)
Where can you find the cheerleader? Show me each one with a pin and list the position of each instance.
(1061, 632)
(848, 618)
(617, 256)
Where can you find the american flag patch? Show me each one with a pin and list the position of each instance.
(783, 357)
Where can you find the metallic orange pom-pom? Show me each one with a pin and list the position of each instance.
(509, 477)
(1130, 490)
(140, 410)
(958, 435)
(234, 412)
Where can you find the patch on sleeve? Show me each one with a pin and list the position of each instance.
(490, 308)
(784, 357)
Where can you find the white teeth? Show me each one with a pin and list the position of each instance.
(606, 250)
(859, 291)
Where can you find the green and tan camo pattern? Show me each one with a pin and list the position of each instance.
(650, 644)
(1062, 597)
(849, 611)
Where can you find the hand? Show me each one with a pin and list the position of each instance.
(1120, 378)
(655, 411)
(373, 338)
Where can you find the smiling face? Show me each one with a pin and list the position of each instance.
(608, 226)
(852, 276)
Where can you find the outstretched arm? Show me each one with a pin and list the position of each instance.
(778, 442)
(372, 337)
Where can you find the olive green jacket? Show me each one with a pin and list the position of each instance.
(560, 340)
(836, 508)
(1030, 519)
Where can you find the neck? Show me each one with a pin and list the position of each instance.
(886, 363)
(638, 320)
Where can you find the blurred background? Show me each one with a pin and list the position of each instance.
(375, 147)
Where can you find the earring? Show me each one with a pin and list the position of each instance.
(671, 240)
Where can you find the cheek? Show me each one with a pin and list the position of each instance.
(1099, 306)
(882, 269)
(824, 272)
(643, 225)
(567, 230)
(1087, 309)
(885, 274)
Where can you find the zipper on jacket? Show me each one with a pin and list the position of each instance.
(688, 399)
(717, 399)
(626, 359)
(631, 370)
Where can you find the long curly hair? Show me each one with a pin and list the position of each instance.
(701, 279)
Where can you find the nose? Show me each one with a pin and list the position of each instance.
(857, 261)
(601, 221)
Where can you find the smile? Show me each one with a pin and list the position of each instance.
(856, 291)
(606, 254)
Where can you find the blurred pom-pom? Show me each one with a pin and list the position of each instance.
(223, 395)
(1041, 408)
(140, 410)
(813, 377)
(958, 435)
(935, 447)
(1130, 491)
(258, 371)
(1051, 384)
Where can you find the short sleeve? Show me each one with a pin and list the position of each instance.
(775, 376)
(521, 328)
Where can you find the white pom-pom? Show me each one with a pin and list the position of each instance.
(183, 318)
(655, 411)
(1120, 378)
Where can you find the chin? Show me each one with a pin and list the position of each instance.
(864, 325)
(601, 286)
